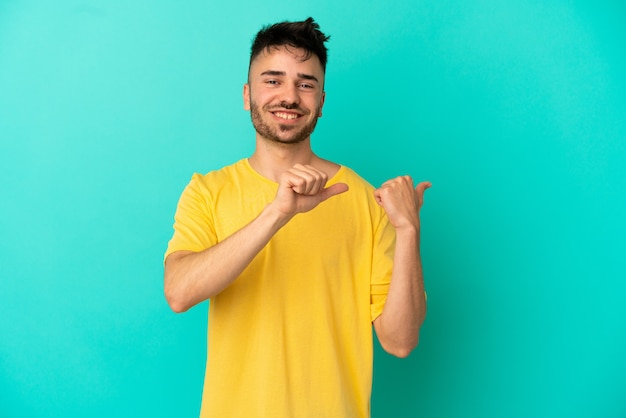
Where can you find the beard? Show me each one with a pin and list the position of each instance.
(282, 134)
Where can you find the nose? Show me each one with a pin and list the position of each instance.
(289, 96)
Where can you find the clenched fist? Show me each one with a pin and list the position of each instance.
(401, 201)
(302, 188)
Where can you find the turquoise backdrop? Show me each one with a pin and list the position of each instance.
(514, 110)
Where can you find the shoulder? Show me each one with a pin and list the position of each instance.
(204, 187)
(360, 193)
(219, 177)
(237, 168)
(352, 179)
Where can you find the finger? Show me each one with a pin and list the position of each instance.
(378, 196)
(383, 193)
(301, 179)
(419, 191)
(391, 182)
(314, 180)
(399, 182)
(319, 180)
(421, 187)
(334, 190)
(300, 182)
(293, 181)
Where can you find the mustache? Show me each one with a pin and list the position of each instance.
(287, 106)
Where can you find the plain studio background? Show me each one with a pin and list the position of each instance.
(514, 110)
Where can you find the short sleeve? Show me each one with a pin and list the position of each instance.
(382, 266)
(194, 228)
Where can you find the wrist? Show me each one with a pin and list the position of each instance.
(408, 234)
(275, 216)
(408, 230)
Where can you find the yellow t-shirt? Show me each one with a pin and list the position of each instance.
(292, 336)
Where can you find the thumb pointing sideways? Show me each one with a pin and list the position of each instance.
(420, 189)
(334, 190)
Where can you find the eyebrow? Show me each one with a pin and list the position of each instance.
(282, 74)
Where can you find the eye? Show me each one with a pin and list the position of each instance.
(306, 86)
(271, 82)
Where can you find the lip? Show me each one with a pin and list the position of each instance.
(286, 116)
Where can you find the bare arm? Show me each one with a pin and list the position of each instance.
(398, 326)
(191, 277)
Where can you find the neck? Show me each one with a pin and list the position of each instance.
(271, 159)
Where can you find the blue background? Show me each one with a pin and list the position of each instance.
(514, 110)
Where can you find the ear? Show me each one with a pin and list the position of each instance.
(322, 103)
(246, 96)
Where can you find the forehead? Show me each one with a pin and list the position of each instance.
(287, 59)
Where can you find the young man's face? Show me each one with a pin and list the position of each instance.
(284, 94)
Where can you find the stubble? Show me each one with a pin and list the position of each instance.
(277, 134)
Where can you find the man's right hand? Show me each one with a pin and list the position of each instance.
(302, 188)
(191, 277)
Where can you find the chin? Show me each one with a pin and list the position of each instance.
(287, 141)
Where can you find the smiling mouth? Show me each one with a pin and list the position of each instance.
(286, 115)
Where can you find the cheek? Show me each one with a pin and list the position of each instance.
(262, 98)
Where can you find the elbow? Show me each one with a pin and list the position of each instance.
(397, 342)
(175, 304)
(401, 351)
(177, 307)
(175, 291)
(180, 299)
(174, 288)
(175, 300)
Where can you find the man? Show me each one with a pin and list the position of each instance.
(298, 255)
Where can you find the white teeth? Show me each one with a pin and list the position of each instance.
(287, 116)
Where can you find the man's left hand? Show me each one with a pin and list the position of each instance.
(401, 201)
